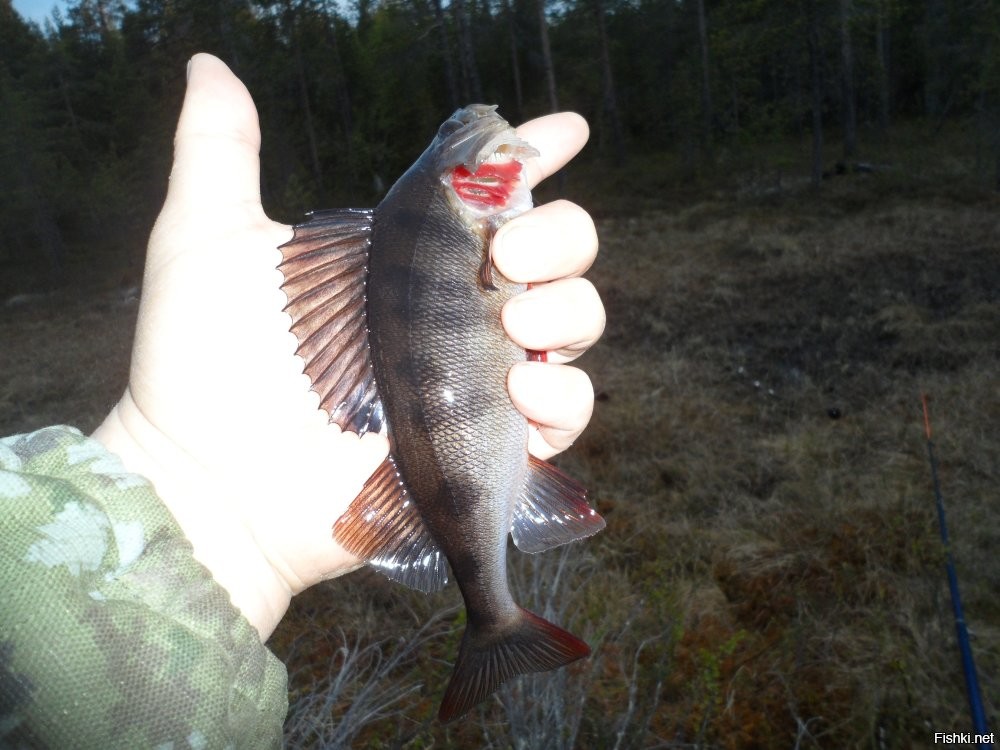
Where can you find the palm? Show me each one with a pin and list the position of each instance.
(218, 412)
(217, 376)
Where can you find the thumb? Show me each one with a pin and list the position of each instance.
(217, 145)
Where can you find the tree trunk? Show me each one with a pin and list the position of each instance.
(882, 68)
(515, 67)
(292, 24)
(936, 87)
(550, 79)
(317, 167)
(610, 100)
(449, 67)
(706, 88)
(665, 63)
(847, 60)
(988, 121)
(816, 83)
(550, 73)
(472, 88)
(341, 91)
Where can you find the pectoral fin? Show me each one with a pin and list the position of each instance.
(552, 509)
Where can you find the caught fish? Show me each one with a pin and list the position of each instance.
(397, 314)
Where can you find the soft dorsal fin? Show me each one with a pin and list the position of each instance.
(384, 527)
(325, 265)
(551, 509)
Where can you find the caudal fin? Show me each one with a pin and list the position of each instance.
(485, 661)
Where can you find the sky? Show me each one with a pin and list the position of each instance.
(37, 10)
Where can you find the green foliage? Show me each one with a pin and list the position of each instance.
(347, 94)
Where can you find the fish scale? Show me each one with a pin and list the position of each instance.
(417, 349)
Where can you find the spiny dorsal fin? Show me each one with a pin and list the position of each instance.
(325, 265)
(551, 510)
(384, 527)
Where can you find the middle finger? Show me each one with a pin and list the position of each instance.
(563, 318)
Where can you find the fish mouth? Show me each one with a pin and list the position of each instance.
(476, 133)
(480, 161)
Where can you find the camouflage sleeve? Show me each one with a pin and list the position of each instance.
(111, 634)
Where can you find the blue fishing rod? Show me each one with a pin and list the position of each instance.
(968, 664)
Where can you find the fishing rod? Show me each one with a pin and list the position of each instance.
(968, 664)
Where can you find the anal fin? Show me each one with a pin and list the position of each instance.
(551, 510)
(384, 527)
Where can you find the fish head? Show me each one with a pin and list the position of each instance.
(480, 160)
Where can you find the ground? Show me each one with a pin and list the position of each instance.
(771, 574)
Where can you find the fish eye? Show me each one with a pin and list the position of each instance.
(449, 127)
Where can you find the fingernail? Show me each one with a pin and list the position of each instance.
(187, 72)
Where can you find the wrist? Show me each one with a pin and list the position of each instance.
(205, 511)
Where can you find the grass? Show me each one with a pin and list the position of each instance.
(737, 329)
(771, 574)
(64, 358)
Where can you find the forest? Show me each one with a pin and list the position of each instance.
(348, 91)
(798, 205)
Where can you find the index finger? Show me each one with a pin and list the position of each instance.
(558, 138)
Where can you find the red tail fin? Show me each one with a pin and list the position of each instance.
(487, 660)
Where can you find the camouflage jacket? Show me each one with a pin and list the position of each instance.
(111, 634)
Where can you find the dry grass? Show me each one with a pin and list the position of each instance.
(739, 329)
(771, 575)
(64, 358)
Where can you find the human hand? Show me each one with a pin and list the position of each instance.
(217, 412)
